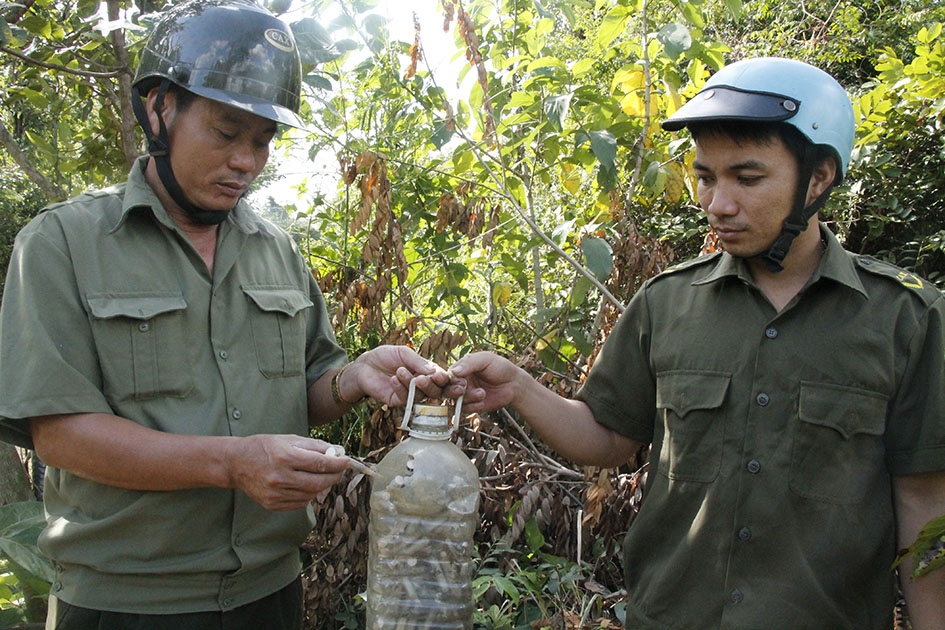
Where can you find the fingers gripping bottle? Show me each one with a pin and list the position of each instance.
(424, 512)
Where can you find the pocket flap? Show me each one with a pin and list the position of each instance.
(138, 306)
(685, 391)
(848, 410)
(285, 300)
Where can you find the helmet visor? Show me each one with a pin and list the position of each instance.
(728, 103)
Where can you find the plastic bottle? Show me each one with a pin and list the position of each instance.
(424, 512)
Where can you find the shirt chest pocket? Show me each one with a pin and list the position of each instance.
(278, 325)
(838, 453)
(142, 344)
(690, 406)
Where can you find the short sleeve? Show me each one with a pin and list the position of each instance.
(621, 388)
(47, 357)
(322, 352)
(915, 435)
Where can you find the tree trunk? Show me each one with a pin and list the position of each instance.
(8, 142)
(15, 484)
(128, 122)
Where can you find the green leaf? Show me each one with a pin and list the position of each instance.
(598, 256)
(676, 39)
(651, 177)
(613, 25)
(314, 42)
(928, 550)
(6, 35)
(933, 558)
(533, 536)
(318, 81)
(693, 14)
(87, 8)
(604, 146)
(278, 6)
(40, 143)
(376, 25)
(521, 99)
(507, 587)
(582, 67)
(441, 135)
(734, 7)
(462, 160)
(536, 37)
(556, 109)
(562, 231)
(20, 526)
(36, 25)
(607, 177)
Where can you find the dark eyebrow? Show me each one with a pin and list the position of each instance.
(747, 165)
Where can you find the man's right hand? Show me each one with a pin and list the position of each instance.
(283, 472)
(486, 381)
(280, 472)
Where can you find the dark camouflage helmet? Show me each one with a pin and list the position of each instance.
(230, 51)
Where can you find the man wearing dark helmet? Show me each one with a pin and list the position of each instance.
(792, 393)
(165, 352)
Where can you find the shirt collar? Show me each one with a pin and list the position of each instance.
(836, 264)
(139, 194)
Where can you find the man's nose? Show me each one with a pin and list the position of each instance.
(720, 201)
(245, 157)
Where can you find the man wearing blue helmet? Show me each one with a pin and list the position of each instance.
(165, 351)
(792, 393)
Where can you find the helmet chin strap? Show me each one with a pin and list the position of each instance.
(797, 220)
(159, 150)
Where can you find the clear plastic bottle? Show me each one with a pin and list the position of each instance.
(424, 512)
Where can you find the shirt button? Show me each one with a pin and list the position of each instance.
(224, 354)
(762, 399)
(771, 333)
(237, 414)
(744, 534)
(754, 466)
(736, 596)
(144, 326)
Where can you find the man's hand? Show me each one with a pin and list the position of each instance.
(489, 382)
(486, 381)
(385, 372)
(280, 472)
(283, 472)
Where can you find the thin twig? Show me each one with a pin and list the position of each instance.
(65, 69)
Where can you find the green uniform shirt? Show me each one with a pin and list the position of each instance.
(108, 308)
(774, 435)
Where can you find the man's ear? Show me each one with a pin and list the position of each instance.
(167, 105)
(821, 179)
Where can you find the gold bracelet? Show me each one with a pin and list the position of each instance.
(336, 391)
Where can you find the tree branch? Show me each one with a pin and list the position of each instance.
(53, 66)
(128, 145)
(51, 190)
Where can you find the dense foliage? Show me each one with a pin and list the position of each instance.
(517, 211)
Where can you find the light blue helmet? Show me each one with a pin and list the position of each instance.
(774, 89)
